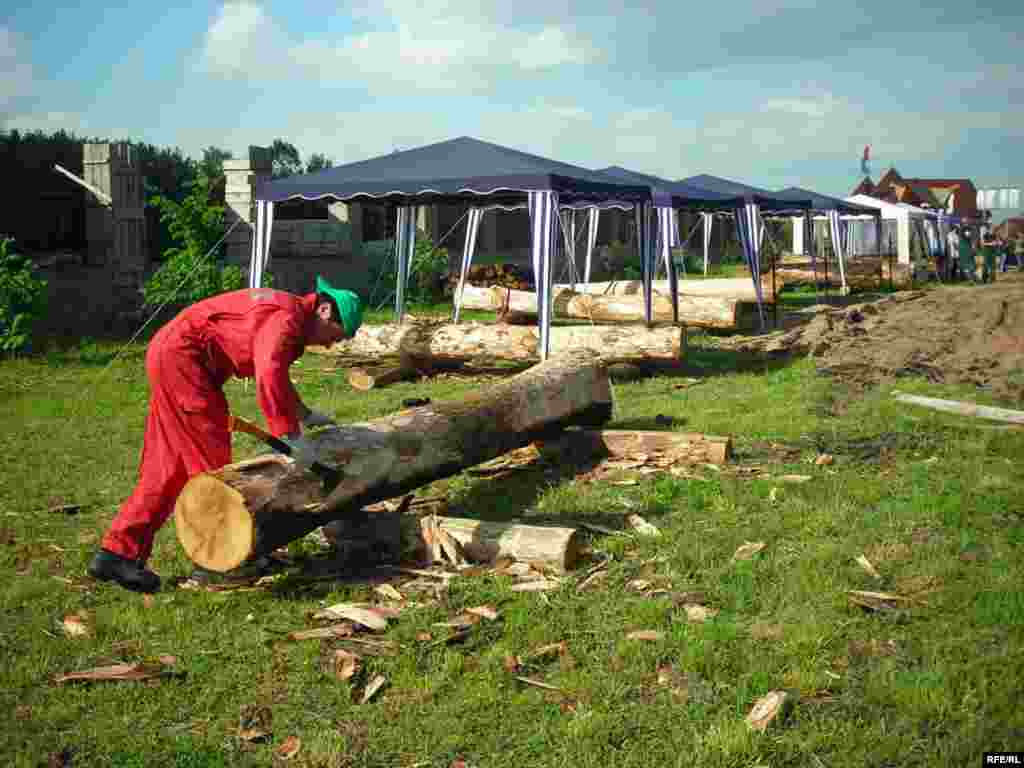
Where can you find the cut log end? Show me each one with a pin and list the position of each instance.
(213, 524)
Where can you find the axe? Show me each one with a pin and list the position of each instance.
(330, 476)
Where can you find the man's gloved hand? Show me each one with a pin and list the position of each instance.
(304, 451)
(317, 419)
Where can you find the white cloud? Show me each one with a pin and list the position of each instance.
(420, 47)
(553, 46)
(242, 42)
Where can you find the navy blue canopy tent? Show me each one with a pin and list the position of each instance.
(461, 170)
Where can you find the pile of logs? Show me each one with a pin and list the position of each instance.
(506, 275)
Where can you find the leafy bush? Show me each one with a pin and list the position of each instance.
(22, 299)
(189, 274)
(427, 270)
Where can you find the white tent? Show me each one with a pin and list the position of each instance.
(899, 220)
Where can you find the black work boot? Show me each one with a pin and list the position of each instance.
(130, 574)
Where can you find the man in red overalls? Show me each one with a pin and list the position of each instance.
(249, 333)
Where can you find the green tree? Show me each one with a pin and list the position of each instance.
(318, 162)
(285, 159)
(22, 299)
(194, 269)
(212, 164)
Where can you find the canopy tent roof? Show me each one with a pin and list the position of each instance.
(674, 193)
(821, 203)
(890, 210)
(766, 200)
(457, 169)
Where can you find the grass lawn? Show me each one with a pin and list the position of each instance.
(934, 501)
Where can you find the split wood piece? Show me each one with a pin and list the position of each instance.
(482, 541)
(741, 288)
(695, 447)
(450, 344)
(251, 508)
(485, 541)
(964, 409)
(698, 311)
(365, 379)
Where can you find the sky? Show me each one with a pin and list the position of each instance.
(769, 92)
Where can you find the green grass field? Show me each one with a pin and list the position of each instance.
(934, 501)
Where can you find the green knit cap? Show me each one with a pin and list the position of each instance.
(350, 308)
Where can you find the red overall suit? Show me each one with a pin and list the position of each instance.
(243, 333)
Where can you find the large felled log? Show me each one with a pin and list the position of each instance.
(249, 508)
(443, 344)
(730, 288)
(697, 311)
(480, 540)
(694, 447)
(864, 272)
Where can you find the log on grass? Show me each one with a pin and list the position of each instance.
(741, 288)
(365, 379)
(482, 541)
(449, 344)
(251, 508)
(694, 447)
(960, 408)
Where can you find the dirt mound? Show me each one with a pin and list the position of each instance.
(968, 334)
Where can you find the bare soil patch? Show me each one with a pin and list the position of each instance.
(959, 334)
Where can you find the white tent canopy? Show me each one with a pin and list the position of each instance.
(865, 238)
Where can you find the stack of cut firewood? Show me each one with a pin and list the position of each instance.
(505, 275)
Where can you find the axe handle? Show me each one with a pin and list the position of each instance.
(237, 424)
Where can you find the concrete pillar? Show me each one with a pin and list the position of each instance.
(241, 177)
(116, 234)
(798, 235)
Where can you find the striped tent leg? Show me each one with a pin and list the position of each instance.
(543, 206)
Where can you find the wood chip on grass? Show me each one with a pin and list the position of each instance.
(144, 670)
(78, 625)
(864, 563)
(343, 664)
(878, 601)
(289, 748)
(748, 550)
(538, 684)
(768, 709)
(345, 629)
(649, 635)
(641, 526)
(484, 611)
(537, 585)
(372, 688)
(366, 617)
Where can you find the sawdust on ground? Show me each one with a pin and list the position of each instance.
(956, 334)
